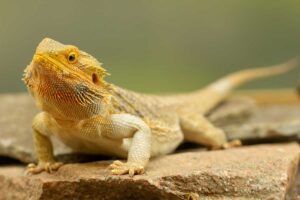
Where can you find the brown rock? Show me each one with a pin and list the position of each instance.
(253, 172)
(269, 121)
(235, 110)
(17, 112)
(295, 190)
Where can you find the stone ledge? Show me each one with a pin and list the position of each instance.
(251, 172)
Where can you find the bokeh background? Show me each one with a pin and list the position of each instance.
(155, 46)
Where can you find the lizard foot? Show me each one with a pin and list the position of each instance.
(43, 166)
(131, 168)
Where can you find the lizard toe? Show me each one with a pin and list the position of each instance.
(49, 167)
(131, 168)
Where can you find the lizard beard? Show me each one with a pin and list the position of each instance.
(62, 96)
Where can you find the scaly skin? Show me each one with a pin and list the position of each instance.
(92, 116)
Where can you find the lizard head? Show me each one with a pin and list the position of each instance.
(66, 81)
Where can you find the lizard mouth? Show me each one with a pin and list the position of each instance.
(47, 61)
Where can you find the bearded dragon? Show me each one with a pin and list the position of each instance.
(93, 116)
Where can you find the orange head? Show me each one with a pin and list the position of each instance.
(67, 82)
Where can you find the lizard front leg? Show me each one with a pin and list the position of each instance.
(43, 148)
(122, 126)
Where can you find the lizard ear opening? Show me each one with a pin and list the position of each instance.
(95, 78)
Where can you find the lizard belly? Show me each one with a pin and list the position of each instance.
(88, 140)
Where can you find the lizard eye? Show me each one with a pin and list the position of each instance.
(72, 57)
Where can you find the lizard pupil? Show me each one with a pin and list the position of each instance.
(72, 57)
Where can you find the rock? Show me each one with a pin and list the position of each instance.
(235, 110)
(242, 119)
(268, 121)
(238, 116)
(295, 191)
(242, 173)
(17, 112)
(252, 172)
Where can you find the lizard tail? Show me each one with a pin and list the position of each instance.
(217, 91)
(236, 79)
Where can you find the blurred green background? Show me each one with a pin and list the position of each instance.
(158, 45)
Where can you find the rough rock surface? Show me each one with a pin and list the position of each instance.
(269, 121)
(241, 119)
(235, 110)
(18, 110)
(253, 172)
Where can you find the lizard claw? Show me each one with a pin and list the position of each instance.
(232, 144)
(228, 145)
(43, 166)
(131, 168)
